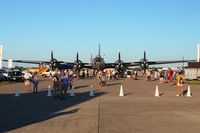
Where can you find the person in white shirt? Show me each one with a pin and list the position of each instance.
(27, 81)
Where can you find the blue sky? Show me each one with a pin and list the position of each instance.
(166, 29)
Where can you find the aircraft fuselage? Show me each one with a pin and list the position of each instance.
(98, 63)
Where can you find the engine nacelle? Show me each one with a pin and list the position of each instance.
(144, 63)
(53, 63)
(119, 65)
(78, 64)
(98, 63)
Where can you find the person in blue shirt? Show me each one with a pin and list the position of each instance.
(35, 82)
(64, 84)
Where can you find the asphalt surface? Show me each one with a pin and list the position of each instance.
(139, 111)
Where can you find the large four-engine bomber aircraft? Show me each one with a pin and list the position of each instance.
(97, 63)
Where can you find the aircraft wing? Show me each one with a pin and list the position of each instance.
(155, 62)
(109, 65)
(28, 61)
(125, 64)
(87, 65)
(31, 61)
(84, 65)
(168, 62)
(131, 64)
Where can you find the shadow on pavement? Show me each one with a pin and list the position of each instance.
(17, 112)
(128, 94)
(112, 84)
(81, 86)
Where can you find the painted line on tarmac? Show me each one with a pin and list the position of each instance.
(99, 115)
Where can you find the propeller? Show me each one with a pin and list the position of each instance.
(77, 63)
(53, 61)
(119, 64)
(144, 63)
(52, 55)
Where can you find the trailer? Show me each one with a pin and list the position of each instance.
(192, 73)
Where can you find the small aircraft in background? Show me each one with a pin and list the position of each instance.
(98, 63)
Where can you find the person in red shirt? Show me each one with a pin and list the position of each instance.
(170, 77)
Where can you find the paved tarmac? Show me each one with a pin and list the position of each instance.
(137, 112)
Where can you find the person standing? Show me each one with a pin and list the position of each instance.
(162, 77)
(171, 77)
(35, 82)
(56, 84)
(64, 84)
(148, 75)
(70, 78)
(180, 81)
(27, 81)
(156, 75)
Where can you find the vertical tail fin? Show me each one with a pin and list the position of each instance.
(91, 58)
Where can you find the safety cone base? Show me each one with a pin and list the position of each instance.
(17, 95)
(91, 91)
(17, 92)
(49, 91)
(72, 94)
(189, 92)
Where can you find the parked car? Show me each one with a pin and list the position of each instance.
(17, 76)
(7, 75)
(13, 75)
(2, 77)
(48, 73)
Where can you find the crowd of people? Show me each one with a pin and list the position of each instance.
(31, 79)
(63, 79)
(169, 76)
(102, 76)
